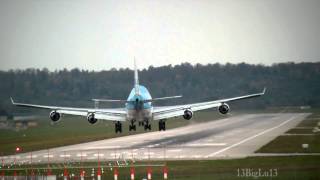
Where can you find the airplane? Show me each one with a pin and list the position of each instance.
(138, 108)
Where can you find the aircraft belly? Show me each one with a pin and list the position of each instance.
(139, 115)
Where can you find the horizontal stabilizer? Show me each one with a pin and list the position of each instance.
(168, 97)
(147, 100)
(108, 100)
(162, 98)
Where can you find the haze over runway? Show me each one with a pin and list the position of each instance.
(231, 137)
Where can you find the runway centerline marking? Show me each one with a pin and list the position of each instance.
(251, 137)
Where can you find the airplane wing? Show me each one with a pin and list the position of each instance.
(116, 114)
(165, 112)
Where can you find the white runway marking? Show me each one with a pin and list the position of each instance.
(147, 153)
(206, 144)
(96, 155)
(251, 137)
(67, 155)
(33, 156)
(50, 156)
(174, 150)
(81, 155)
(102, 147)
(115, 154)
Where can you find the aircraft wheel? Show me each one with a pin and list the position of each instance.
(132, 127)
(147, 126)
(162, 125)
(118, 127)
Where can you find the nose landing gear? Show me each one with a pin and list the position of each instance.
(141, 123)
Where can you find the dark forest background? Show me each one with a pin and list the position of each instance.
(288, 84)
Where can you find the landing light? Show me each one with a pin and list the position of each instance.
(18, 149)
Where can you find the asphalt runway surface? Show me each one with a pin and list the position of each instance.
(231, 137)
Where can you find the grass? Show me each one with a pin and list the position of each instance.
(74, 130)
(309, 122)
(293, 144)
(299, 167)
(300, 131)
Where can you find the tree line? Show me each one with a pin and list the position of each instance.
(288, 84)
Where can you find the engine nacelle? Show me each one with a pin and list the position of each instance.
(54, 116)
(91, 118)
(187, 115)
(224, 108)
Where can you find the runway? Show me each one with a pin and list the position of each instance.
(231, 137)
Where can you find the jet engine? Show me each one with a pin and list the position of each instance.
(54, 116)
(91, 118)
(224, 108)
(187, 115)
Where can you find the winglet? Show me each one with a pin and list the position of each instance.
(264, 90)
(12, 101)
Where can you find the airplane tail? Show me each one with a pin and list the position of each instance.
(136, 78)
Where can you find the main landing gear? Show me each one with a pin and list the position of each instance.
(132, 126)
(118, 127)
(162, 125)
(147, 125)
